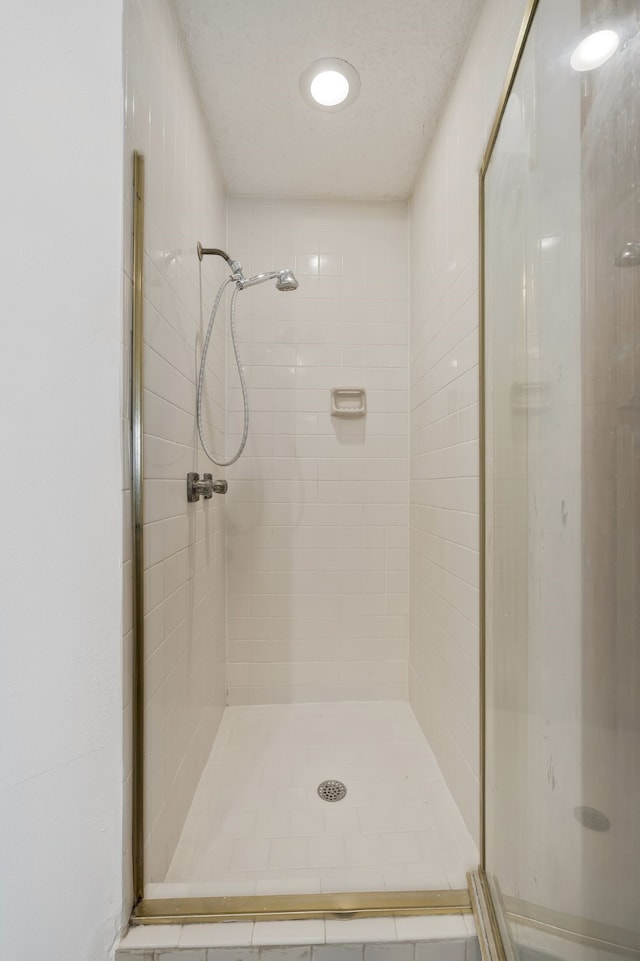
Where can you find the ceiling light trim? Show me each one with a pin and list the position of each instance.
(331, 65)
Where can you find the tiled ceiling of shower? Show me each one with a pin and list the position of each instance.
(248, 56)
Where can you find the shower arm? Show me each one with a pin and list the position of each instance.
(235, 267)
(285, 279)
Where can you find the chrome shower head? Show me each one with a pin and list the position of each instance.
(285, 279)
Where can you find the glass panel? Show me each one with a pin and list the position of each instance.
(562, 342)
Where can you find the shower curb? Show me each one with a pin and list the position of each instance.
(455, 940)
(451, 949)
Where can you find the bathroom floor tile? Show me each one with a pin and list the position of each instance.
(360, 929)
(289, 932)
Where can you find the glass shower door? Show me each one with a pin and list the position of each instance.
(562, 485)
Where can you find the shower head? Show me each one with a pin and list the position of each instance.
(285, 279)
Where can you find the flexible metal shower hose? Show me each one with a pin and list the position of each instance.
(203, 363)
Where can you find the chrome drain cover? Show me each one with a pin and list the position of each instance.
(332, 790)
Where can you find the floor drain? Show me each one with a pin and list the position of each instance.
(592, 818)
(332, 790)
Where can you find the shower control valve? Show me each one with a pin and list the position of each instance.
(197, 488)
(206, 487)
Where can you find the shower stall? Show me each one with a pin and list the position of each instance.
(347, 697)
(318, 779)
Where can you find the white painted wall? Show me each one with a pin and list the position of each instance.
(443, 658)
(60, 505)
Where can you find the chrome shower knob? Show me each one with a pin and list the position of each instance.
(206, 487)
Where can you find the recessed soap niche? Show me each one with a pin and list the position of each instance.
(348, 402)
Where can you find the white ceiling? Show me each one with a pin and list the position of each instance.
(248, 56)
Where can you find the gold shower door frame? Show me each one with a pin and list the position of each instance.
(256, 907)
(492, 910)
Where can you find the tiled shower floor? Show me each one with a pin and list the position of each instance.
(257, 825)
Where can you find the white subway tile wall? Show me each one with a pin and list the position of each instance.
(184, 578)
(444, 243)
(317, 529)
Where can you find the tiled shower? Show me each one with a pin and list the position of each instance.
(341, 568)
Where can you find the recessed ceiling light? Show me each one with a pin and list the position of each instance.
(329, 88)
(595, 50)
(330, 84)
